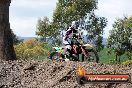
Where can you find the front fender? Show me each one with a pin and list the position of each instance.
(88, 46)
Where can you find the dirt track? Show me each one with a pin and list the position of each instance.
(51, 74)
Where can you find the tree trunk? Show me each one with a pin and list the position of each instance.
(6, 40)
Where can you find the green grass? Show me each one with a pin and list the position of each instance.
(105, 58)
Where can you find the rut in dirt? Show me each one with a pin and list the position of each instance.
(52, 74)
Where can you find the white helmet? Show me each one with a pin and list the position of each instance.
(75, 24)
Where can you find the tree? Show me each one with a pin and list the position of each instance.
(120, 36)
(69, 10)
(83, 11)
(121, 33)
(45, 28)
(15, 39)
(6, 42)
(95, 25)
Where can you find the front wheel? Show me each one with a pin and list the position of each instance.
(55, 56)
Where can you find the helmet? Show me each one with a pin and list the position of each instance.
(75, 24)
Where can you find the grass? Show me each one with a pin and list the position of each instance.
(105, 58)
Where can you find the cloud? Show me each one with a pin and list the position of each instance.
(25, 13)
(25, 26)
(113, 9)
(33, 7)
(34, 4)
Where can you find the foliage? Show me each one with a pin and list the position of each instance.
(73, 10)
(69, 10)
(129, 55)
(121, 33)
(48, 46)
(120, 37)
(30, 49)
(15, 38)
(128, 62)
(83, 11)
(95, 25)
(45, 28)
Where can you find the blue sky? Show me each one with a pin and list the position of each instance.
(25, 13)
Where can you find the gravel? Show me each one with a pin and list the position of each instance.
(52, 74)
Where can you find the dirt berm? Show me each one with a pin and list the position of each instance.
(51, 74)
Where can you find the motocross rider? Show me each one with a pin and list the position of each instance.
(71, 33)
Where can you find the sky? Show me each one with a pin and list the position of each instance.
(25, 13)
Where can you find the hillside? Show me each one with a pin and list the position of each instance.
(51, 74)
(104, 42)
(25, 38)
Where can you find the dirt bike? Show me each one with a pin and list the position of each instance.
(58, 52)
(93, 54)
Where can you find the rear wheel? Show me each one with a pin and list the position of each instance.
(75, 57)
(92, 56)
(71, 57)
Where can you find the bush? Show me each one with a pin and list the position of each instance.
(48, 46)
(30, 49)
(128, 62)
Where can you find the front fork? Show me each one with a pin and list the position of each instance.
(84, 52)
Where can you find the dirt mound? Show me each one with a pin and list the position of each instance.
(51, 74)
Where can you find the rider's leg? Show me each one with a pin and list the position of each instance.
(84, 52)
(75, 48)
